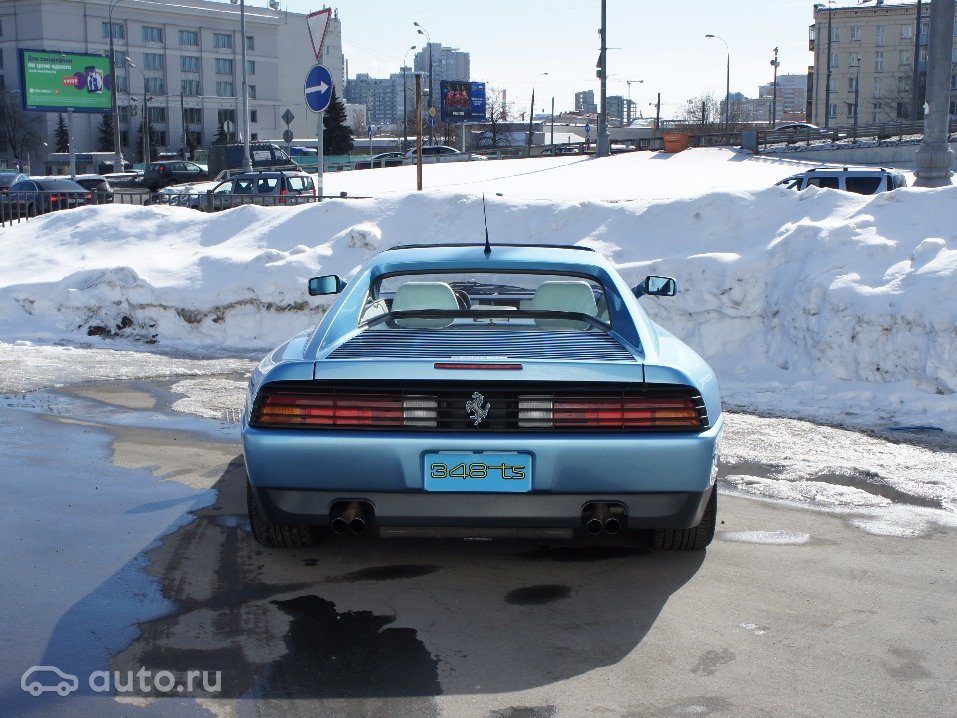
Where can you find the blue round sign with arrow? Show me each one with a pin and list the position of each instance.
(318, 88)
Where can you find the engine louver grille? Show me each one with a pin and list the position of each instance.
(511, 344)
(503, 407)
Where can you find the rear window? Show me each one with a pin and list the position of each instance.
(503, 300)
(299, 184)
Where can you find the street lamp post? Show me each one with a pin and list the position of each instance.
(145, 119)
(428, 39)
(118, 163)
(727, 81)
(774, 89)
(531, 115)
(247, 157)
(628, 112)
(857, 94)
(405, 92)
(827, 83)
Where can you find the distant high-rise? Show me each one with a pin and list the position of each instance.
(585, 102)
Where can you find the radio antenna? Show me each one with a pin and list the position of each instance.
(488, 247)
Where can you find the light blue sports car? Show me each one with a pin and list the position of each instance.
(484, 391)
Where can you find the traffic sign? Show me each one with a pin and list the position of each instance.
(228, 127)
(370, 132)
(288, 117)
(587, 130)
(287, 136)
(318, 88)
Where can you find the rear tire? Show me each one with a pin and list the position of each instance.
(693, 539)
(275, 535)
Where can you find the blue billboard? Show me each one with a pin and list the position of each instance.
(462, 101)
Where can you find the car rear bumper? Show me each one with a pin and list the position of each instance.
(416, 510)
(659, 479)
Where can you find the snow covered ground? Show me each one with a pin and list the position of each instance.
(819, 305)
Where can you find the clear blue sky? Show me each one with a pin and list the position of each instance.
(512, 42)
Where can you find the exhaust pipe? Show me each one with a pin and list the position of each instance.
(603, 518)
(352, 518)
(594, 517)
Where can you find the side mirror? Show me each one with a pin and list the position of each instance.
(656, 287)
(328, 284)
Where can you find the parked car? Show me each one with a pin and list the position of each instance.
(440, 153)
(263, 156)
(157, 175)
(98, 185)
(30, 197)
(303, 151)
(7, 179)
(263, 188)
(468, 390)
(383, 159)
(863, 180)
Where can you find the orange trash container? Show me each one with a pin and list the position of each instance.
(675, 141)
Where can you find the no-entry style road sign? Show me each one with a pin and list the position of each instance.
(318, 88)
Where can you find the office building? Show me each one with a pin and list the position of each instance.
(186, 56)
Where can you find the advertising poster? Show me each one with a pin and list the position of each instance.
(462, 101)
(61, 81)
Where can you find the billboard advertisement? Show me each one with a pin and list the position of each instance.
(462, 101)
(61, 81)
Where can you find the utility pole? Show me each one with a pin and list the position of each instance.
(934, 158)
(118, 163)
(915, 81)
(827, 85)
(601, 146)
(774, 90)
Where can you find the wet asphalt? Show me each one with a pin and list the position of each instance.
(127, 552)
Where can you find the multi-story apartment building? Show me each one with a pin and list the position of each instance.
(186, 56)
(868, 62)
(382, 97)
(585, 102)
(791, 105)
(448, 63)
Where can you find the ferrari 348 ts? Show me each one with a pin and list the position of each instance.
(477, 391)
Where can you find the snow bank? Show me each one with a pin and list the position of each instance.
(821, 304)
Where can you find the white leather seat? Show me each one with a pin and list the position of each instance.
(413, 296)
(564, 296)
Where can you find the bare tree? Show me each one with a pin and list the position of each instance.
(702, 115)
(21, 132)
(497, 114)
(359, 123)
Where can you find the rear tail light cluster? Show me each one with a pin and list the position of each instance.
(561, 411)
(445, 408)
(286, 408)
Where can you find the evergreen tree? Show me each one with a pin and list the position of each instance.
(336, 134)
(105, 133)
(61, 135)
(221, 137)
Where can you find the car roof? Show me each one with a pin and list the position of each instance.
(270, 173)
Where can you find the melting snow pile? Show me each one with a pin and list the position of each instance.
(818, 304)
